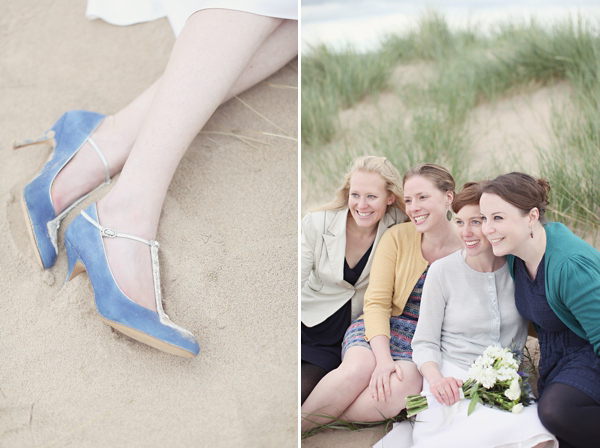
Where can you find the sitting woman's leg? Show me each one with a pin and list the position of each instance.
(571, 415)
(117, 133)
(211, 53)
(339, 388)
(366, 409)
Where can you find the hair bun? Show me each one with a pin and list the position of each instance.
(521, 190)
(545, 186)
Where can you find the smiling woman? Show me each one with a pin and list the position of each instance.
(368, 198)
(468, 304)
(557, 287)
(338, 242)
(377, 372)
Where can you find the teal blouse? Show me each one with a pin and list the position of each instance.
(572, 281)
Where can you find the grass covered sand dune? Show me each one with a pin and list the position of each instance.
(520, 97)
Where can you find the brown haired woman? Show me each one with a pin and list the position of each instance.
(338, 242)
(377, 371)
(469, 304)
(557, 287)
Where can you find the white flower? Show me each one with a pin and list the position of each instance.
(493, 351)
(514, 392)
(474, 372)
(506, 373)
(487, 378)
(509, 359)
(517, 408)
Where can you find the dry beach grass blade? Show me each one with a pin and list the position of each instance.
(260, 115)
(280, 86)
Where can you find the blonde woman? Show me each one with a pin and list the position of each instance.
(338, 246)
(377, 372)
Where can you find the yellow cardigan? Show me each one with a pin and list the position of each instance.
(396, 268)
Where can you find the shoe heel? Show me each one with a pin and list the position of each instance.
(47, 138)
(75, 263)
(84, 244)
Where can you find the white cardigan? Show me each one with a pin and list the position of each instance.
(464, 311)
(323, 246)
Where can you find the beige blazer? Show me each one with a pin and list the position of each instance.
(323, 247)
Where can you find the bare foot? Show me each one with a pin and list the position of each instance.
(130, 261)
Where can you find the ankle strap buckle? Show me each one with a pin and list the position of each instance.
(108, 232)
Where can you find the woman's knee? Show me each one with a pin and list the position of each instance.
(551, 415)
(400, 389)
(411, 383)
(356, 370)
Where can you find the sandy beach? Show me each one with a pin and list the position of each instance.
(228, 236)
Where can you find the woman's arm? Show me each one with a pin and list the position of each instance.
(379, 294)
(445, 389)
(377, 313)
(578, 284)
(384, 368)
(426, 343)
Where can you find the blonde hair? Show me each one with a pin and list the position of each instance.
(369, 164)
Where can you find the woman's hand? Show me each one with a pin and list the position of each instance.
(446, 390)
(380, 379)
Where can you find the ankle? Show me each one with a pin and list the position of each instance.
(115, 142)
(77, 178)
(125, 216)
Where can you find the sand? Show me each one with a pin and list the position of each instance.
(228, 235)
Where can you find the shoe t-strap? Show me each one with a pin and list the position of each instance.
(154, 246)
(110, 233)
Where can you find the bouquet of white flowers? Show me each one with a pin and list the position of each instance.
(492, 380)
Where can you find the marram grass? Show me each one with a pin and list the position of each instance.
(469, 68)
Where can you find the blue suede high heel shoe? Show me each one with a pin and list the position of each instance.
(66, 137)
(85, 251)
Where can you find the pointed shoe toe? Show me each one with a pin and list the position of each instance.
(85, 251)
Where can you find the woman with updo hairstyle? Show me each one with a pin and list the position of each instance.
(338, 245)
(377, 372)
(557, 288)
(468, 304)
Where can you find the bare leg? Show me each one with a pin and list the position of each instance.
(212, 51)
(366, 409)
(339, 388)
(117, 133)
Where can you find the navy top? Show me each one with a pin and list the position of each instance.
(322, 344)
(351, 275)
(564, 357)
